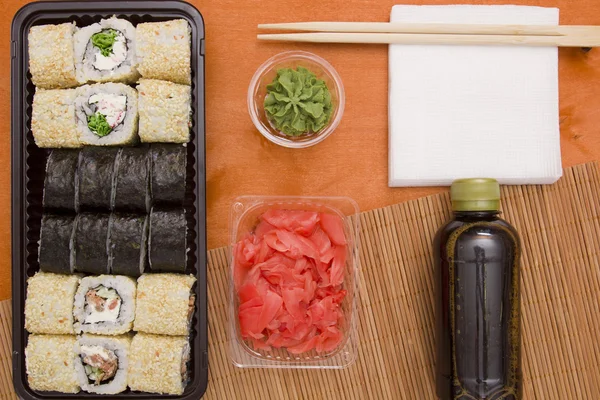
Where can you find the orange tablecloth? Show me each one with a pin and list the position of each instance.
(353, 161)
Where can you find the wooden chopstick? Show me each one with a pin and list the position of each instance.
(479, 34)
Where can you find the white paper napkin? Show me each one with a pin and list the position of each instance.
(473, 111)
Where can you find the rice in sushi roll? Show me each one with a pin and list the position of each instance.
(158, 364)
(168, 173)
(59, 183)
(51, 56)
(105, 51)
(164, 50)
(105, 304)
(167, 243)
(49, 363)
(101, 363)
(107, 114)
(165, 110)
(56, 243)
(53, 118)
(49, 303)
(128, 239)
(164, 304)
(91, 243)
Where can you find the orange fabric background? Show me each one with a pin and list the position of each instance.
(353, 161)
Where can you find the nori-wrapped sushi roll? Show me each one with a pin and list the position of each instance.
(128, 239)
(91, 243)
(167, 245)
(132, 184)
(59, 184)
(56, 243)
(168, 173)
(96, 177)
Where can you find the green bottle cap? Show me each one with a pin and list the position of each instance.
(475, 194)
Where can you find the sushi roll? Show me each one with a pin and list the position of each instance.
(164, 304)
(101, 363)
(128, 238)
(105, 52)
(50, 364)
(164, 50)
(167, 244)
(90, 243)
(165, 110)
(105, 305)
(56, 243)
(59, 184)
(159, 364)
(51, 56)
(53, 118)
(49, 303)
(107, 114)
(168, 172)
(96, 177)
(132, 183)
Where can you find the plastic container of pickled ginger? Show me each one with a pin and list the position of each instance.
(293, 282)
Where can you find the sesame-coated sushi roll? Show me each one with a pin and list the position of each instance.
(158, 364)
(107, 114)
(168, 172)
(132, 180)
(56, 243)
(164, 50)
(101, 363)
(167, 243)
(105, 52)
(96, 177)
(164, 304)
(59, 184)
(50, 364)
(49, 303)
(91, 243)
(105, 304)
(53, 118)
(51, 56)
(128, 244)
(165, 110)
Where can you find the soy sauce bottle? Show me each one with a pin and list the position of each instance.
(477, 298)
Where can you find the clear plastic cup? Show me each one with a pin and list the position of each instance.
(265, 74)
(243, 219)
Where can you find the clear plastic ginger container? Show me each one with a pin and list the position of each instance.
(243, 219)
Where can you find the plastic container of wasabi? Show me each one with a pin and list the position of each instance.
(296, 99)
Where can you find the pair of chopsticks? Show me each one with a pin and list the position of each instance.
(461, 34)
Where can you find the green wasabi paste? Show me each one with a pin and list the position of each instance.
(298, 103)
(98, 124)
(104, 40)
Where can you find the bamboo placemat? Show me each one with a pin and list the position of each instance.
(560, 231)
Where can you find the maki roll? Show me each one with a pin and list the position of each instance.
(107, 114)
(49, 303)
(105, 304)
(101, 363)
(52, 122)
(165, 110)
(105, 51)
(159, 364)
(168, 171)
(167, 244)
(90, 243)
(164, 304)
(56, 243)
(50, 364)
(128, 238)
(96, 172)
(59, 184)
(51, 56)
(132, 184)
(164, 50)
